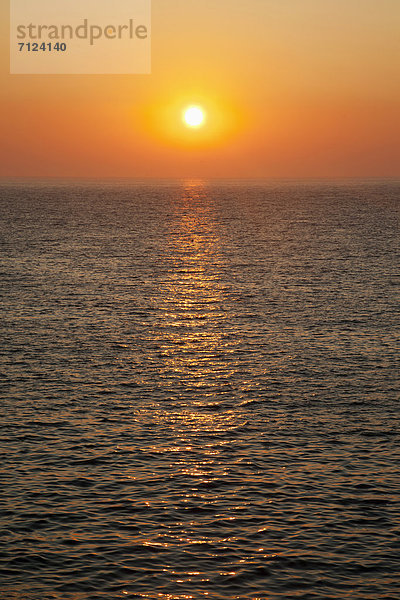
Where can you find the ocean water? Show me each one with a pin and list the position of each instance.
(200, 390)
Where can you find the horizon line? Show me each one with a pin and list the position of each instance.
(196, 178)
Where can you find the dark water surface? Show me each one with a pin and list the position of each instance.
(200, 391)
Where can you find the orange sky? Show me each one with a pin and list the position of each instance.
(292, 88)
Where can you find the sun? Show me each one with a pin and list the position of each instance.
(194, 116)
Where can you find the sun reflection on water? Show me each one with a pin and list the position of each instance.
(195, 367)
(194, 356)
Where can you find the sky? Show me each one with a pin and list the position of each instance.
(291, 88)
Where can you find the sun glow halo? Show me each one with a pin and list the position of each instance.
(194, 116)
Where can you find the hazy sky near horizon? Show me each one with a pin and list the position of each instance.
(292, 88)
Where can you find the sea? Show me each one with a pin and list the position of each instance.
(200, 390)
